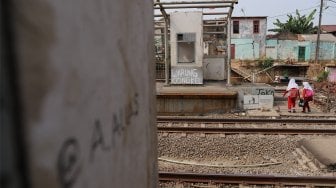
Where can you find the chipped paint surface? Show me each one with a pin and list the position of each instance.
(249, 45)
(246, 49)
(289, 49)
(214, 68)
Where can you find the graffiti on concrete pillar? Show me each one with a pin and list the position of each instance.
(68, 163)
(97, 140)
(104, 137)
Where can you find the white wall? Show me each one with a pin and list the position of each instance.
(87, 78)
(213, 68)
(186, 22)
(246, 31)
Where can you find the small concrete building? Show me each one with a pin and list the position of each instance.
(186, 40)
(248, 37)
(300, 47)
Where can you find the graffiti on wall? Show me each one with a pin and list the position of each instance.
(186, 75)
(260, 97)
(258, 101)
(263, 91)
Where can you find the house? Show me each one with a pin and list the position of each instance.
(248, 37)
(329, 29)
(300, 47)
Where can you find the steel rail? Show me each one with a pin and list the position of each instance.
(244, 120)
(204, 13)
(194, 2)
(200, 6)
(246, 130)
(246, 179)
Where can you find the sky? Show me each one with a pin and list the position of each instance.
(278, 9)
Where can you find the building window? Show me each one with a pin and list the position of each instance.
(256, 26)
(235, 27)
(186, 47)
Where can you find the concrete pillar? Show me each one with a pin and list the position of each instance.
(86, 78)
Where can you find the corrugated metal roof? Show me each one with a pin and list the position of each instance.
(283, 36)
(328, 28)
(249, 17)
(323, 37)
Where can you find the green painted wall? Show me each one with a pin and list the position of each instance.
(289, 49)
(245, 49)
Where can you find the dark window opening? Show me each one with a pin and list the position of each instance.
(235, 27)
(256, 26)
(179, 37)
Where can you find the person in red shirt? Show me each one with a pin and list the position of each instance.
(307, 95)
(293, 94)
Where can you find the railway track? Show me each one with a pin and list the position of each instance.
(205, 125)
(162, 119)
(287, 131)
(308, 181)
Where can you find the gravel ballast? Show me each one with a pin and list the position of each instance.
(231, 151)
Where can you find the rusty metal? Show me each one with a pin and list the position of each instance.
(213, 25)
(244, 120)
(204, 13)
(194, 2)
(199, 6)
(215, 13)
(222, 20)
(247, 130)
(246, 179)
(213, 32)
(187, 105)
(229, 95)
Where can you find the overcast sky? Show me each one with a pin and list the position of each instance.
(274, 9)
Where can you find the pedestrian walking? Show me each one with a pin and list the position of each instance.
(307, 96)
(293, 94)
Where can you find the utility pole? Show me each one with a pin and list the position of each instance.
(228, 50)
(318, 35)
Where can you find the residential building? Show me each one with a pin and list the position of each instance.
(300, 47)
(248, 37)
(329, 29)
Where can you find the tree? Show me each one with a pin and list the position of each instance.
(296, 24)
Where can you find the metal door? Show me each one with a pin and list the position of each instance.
(302, 53)
(233, 51)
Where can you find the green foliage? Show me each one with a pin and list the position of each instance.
(323, 76)
(265, 63)
(299, 24)
(285, 73)
(332, 167)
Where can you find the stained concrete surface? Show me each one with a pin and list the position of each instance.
(86, 82)
(324, 149)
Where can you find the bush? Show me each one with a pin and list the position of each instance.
(265, 63)
(323, 76)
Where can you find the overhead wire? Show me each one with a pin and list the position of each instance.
(285, 14)
(331, 1)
